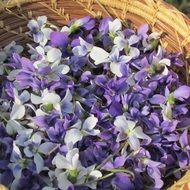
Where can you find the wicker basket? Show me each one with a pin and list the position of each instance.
(14, 15)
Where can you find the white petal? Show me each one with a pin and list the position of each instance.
(68, 96)
(133, 142)
(40, 50)
(166, 71)
(75, 161)
(86, 44)
(18, 111)
(139, 134)
(73, 135)
(16, 96)
(25, 96)
(36, 138)
(79, 51)
(115, 25)
(115, 69)
(165, 62)
(39, 112)
(63, 182)
(38, 160)
(66, 30)
(53, 55)
(133, 39)
(32, 24)
(134, 52)
(159, 52)
(99, 55)
(121, 123)
(64, 69)
(47, 32)
(36, 99)
(120, 42)
(46, 147)
(13, 127)
(61, 162)
(92, 132)
(48, 188)
(96, 174)
(71, 153)
(90, 123)
(131, 124)
(51, 98)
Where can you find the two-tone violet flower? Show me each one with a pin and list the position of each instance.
(129, 131)
(69, 171)
(76, 132)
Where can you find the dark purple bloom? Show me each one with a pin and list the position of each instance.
(123, 182)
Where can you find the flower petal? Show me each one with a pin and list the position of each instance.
(46, 147)
(115, 25)
(183, 92)
(63, 182)
(18, 111)
(53, 55)
(90, 123)
(61, 162)
(115, 69)
(73, 135)
(36, 99)
(59, 39)
(38, 160)
(99, 55)
(133, 142)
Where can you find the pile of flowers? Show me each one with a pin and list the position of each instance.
(92, 105)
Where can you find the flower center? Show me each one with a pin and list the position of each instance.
(73, 174)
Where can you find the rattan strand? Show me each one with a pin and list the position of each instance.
(159, 15)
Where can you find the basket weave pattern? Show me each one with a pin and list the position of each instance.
(175, 26)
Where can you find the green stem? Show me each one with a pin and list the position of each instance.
(99, 179)
(177, 170)
(123, 171)
(3, 118)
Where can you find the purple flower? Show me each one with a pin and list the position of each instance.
(59, 39)
(122, 182)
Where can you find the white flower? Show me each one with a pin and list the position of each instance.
(151, 41)
(100, 56)
(69, 171)
(114, 26)
(78, 131)
(49, 100)
(38, 30)
(128, 130)
(159, 61)
(121, 42)
(167, 111)
(52, 57)
(18, 109)
(82, 49)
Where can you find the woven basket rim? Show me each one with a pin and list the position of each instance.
(158, 14)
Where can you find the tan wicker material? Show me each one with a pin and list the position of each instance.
(175, 26)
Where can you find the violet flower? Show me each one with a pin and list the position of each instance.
(128, 131)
